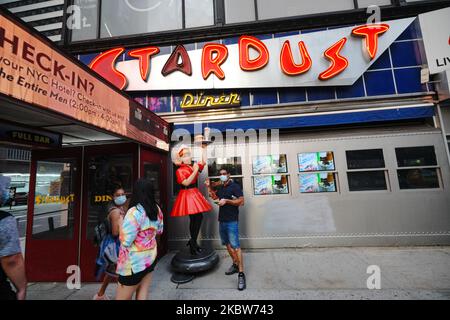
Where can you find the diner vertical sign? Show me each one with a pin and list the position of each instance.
(33, 72)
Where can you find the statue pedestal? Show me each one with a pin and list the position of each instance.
(185, 265)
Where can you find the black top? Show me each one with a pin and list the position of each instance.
(230, 191)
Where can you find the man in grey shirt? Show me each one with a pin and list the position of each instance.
(12, 265)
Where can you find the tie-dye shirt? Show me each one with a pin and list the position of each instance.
(137, 241)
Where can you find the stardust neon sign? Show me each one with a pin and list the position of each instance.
(320, 59)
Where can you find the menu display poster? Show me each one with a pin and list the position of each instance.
(272, 184)
(316, 161)
(317, 182)
(270, 164)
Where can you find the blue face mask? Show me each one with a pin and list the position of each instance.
(120, 200)
(223, 178)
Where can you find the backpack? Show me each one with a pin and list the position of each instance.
(101, 230)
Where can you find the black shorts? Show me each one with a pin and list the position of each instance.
(136, 278)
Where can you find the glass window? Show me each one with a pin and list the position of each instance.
(152, 172)
(269, 9)
(418, 178)
(316, 161)
(239, 11)
(86, 27)
(270, 164)
(54, 204)
(128, 17)
(271, 184)
(416, 156)
(365, 159)
(317, 182)
(367, 180)
(233, 165)
(104, 173)
(199, 13)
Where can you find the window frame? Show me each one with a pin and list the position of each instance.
(437, 167)
(223, 30)
(217, 21)
(384, 169)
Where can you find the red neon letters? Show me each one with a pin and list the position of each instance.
(287, 63)
(248, 64)
(213, 56)
(338, 62)
(105, 65)
(371, 34)
(144, 55)
(172, 64)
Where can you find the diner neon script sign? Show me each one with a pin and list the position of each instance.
(314, 59)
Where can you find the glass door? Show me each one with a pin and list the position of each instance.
(105, 167)
(153, 166)
(54, 214)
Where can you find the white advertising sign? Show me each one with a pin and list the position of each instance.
(271, 75)
(435, 27)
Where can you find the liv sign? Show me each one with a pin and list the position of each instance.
(325, 58)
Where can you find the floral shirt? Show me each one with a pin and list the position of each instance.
(137, 241)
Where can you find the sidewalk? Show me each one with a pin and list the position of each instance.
(311, 273)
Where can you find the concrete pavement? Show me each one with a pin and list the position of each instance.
(309, 273)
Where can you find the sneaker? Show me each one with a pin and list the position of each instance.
(241, 281)
(232, 270)
(103, 297)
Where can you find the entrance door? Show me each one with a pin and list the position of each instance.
(153, 166)
(105, 167)
(53, 214)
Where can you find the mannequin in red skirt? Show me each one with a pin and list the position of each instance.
(190, 201)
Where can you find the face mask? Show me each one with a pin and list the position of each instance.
(223, 178)
(120, 201)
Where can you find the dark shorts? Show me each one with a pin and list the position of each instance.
(136, 278)
(229, 234)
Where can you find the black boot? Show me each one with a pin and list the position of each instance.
(197, 247)
(192, 248)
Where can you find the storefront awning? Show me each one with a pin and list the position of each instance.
(42, 87)
(319, 120)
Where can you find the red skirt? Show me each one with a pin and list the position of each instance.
(190, 201)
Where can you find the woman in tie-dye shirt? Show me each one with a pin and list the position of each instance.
(138, 248)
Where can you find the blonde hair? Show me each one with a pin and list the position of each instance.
(177, 153)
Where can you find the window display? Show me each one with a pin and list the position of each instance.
(270, 164)
(272, 184)
(317, 182)
(417, 178)
(365, 159)
(366, 180)
(316, 161)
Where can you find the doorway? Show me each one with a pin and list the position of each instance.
(70, 191)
